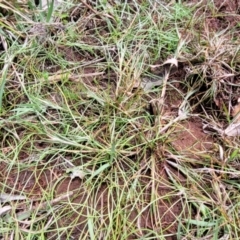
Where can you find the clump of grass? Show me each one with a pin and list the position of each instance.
(82, 155)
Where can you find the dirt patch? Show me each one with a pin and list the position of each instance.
(190, 140)
(160, 216)
(74, 218)
(29, 182)
(224, 14)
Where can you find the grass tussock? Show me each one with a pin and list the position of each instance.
(113, 118)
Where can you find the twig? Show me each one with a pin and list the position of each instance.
(73, 77)
(42, 206)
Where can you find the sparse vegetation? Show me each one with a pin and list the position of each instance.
(119, 120)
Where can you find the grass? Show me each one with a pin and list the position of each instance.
(87, 152)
